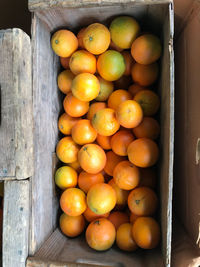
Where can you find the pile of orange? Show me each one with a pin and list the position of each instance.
(109, 148)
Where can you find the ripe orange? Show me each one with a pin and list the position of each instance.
(72, 225)
(122, 195)
(85, 87)
(128, 62)
(80, 38)
(104, 122)
(143, 152)
(146, 49)
(144, 75)
(148, 128)
(76, 166)
(101, 198)
(146, 232)
(75, 107)
(124, 30)
(117, 97)
(100, 234)
(149, 101)
(96, 38)
(92, 158)
(83, 132)
(64, 43)
(106, 89)
(67, 150)
(65, 81)
(87, 180)
(129, 114)
(64, 61)
(104, 141)
(124, 238)
(142, 201)
(133, 217)
(94, 107)
(66, 177)
(91, 216)
(148, 177)
(111, 65)
(115, 47)
(135, 88)
(82, 61)
(111, 162)
(126, 175)
(117, 218)
(66, 122)
(120, 142)
(73, 201)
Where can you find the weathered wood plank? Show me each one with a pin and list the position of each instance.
(16, 125)
(15, 223)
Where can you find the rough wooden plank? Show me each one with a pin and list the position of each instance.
(35, 5)
(15, 223)
(16, 125)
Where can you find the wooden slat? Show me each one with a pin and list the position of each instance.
(15, 223)
(16, 125)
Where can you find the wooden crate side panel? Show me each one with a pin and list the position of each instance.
(46, 107)
(15, 223)
(16, 125)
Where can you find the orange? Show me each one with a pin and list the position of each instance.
(92, 158)
(82, 61)
(124, 30)
(76, 166)
(91, 216)
(104, 122)
(133, 217)
(66, 177)
(146, 49)
(128, 62)
(146, 232)
(67, 150)
(75, 107)
(64, 61)
(148, 177)
(143, 152)
(83, 132)
(117, 97)
(111, 65)
(85, 87)
(112, 161)
(149, 101)
(120, 142)
(115, 47)
(104, 141)
(101, 198)
(80, 38)
(117, 218)
(106, 89)
(87, 180)
(129, 114)
(64, 43)
(65, 81)
(94, 107)
(124, 238)
(123, 82)
(100, 234)
(135, 88)
(142, 201)
(144, 75)
(73, 201)
(66, 122)
(96, 38)
(122, 195)
(72, 225)
(148, 128)
(126, 175)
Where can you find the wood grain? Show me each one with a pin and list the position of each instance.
(15, 223)
(16, 125)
